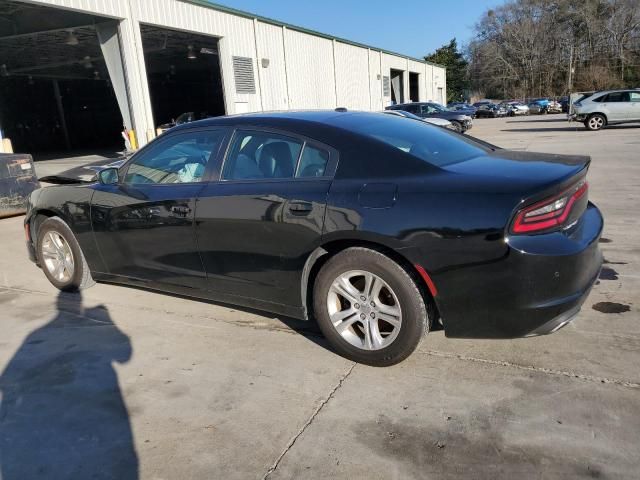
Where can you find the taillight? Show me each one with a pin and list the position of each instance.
(549, 213)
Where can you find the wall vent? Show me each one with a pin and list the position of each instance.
(243, 75)
(386, 86)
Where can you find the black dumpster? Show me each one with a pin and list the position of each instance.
(17, 181)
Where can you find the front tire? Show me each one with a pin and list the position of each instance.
(61, 258)
(369, 308)
(457, 126)
(595, 122)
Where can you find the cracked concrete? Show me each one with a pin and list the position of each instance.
(292, 442)
(126, 383)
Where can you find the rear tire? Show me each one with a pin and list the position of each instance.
(595, 122)
(369, 308)
(60, 256)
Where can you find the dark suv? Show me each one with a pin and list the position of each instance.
(460, 121)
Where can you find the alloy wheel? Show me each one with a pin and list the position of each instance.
(364, 310)
(596, 123)
(57, 257)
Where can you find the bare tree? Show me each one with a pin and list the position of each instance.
(528, 48)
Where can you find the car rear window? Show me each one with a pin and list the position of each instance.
(432, 144)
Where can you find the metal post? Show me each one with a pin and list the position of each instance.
(63, 122)
(569, 86)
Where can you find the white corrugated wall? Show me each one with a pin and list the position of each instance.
(310, 70)
(375, 81)
(352, 76)
(273, 77)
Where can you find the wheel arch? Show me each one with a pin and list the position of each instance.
(324, 252)
(40, 215)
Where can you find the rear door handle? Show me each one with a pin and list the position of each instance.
(300, 208)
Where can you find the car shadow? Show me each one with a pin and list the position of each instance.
(307, 328)
(62, 414)
(549, 129)
(540, 120)
(575, 127)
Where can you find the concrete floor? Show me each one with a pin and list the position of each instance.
(124, 383)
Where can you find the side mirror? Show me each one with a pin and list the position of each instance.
(108, 176)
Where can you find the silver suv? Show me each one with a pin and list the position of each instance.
(608, 108)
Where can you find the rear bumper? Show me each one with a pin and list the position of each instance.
(536, 286)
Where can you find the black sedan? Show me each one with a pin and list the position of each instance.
(373, 225)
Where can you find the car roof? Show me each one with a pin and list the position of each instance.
(320, 125)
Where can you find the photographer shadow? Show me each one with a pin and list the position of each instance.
(62, 414)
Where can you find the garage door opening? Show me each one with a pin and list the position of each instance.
(397, 86)
(56, 94)
(183, 70)
(414, 87)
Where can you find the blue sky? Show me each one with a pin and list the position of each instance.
(411, 27)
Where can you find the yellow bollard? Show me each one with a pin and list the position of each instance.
(7, 147)
(132, 139)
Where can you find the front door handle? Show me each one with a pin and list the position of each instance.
(182, 210)
(300, 208)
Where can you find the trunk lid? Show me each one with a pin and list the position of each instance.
(525, 173)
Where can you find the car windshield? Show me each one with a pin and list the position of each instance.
(184, 118)
(432, 144)
(439, 107)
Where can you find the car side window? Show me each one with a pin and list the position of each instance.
(634, 96)
(410, 108)
(427, 109)
(180, 158)
(261, 155)
(617, 97)
(313, 162)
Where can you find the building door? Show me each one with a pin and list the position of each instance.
(414, 87)
(397, 86)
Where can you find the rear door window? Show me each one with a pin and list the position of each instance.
(313, 162)
(261, 155)
(634, 96)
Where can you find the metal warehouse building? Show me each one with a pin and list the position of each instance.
(74, 72)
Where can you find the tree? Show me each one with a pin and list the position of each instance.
(457, 72)
(534, 48)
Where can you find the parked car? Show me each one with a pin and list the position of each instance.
(564, 104)
(440, 122)
(491, 111)
(537, 109)
(462, 123)
(482, 102)
(608, 108)
(554, 107)
(186, 117)
(516, 108)
(539, 105)
(374, 225)
(463, 108)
